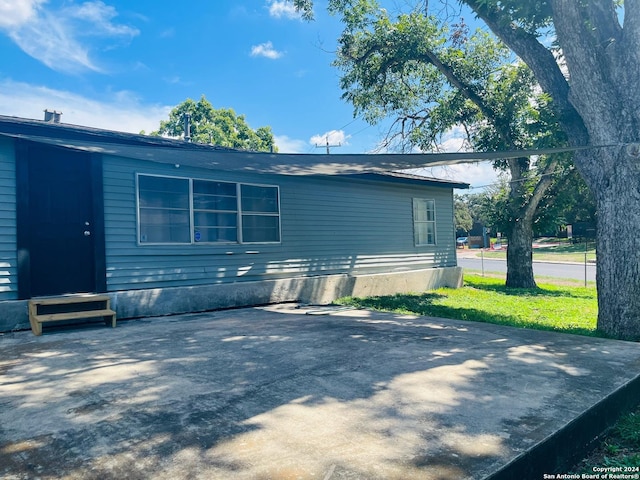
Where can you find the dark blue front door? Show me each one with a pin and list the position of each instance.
(60, 222)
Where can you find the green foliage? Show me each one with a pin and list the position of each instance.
(462, 215)
(216, 126)
(628, 429)
(405, 68)
(567, 202)
(620, 447)
(305, 7)
(429, 76)
(531, 16)
(479, 207)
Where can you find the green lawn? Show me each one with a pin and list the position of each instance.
(562, 308)
(565, 252)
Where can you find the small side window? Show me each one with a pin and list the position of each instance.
(424, 221)
(260, 214)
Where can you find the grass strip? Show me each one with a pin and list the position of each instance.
(561, 308)
(563, 252)
(620, 448)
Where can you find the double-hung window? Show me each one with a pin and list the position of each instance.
(424, 221)
(183, 210)
(215, 211)
(260, 214)
(164, 212)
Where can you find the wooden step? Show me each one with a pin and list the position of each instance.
(69, 307)
(52, 317)
(66, 299)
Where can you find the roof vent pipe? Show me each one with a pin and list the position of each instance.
(51, 116)
(187, 127)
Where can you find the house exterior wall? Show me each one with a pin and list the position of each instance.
(339, 236)
(8, 245)
(330, 226)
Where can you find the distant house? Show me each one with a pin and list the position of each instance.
(165, 226)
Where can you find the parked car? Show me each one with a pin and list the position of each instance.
(461, 242)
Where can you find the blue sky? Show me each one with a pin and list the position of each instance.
(123, 65)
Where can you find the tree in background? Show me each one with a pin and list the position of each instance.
(586, 57)
(567, 202)
(220, 127)
(462, 215)
(430, 78)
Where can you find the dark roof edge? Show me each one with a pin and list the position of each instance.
(410, 177)
(18, 125)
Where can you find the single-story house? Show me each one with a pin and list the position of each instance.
(166, 226)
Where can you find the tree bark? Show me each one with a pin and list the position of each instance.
(519, 255)
(599, 105)
(604, 91)
(618, 248)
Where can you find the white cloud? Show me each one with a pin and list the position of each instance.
(59, 38)
(265, 50)
(478, 174)
(279, 9)
(286, 144)
(100, 16)
(333, 137)
(122, 111)
(14, 14)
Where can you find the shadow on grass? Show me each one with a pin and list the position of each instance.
(498, 286)
(424, 305)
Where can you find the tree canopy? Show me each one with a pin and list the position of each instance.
(585, 56)
(216, 127)
(428, 77)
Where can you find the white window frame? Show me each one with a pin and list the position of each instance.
(263, 214)
(138, 216)
(418, 203)
(239, 213)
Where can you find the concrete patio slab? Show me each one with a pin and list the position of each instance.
(289, 392)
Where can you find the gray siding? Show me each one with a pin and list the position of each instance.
(8, 255)
(330, 225)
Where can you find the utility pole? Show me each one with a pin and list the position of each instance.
(327, 146)
(187, 127)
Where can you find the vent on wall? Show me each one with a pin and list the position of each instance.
(52, 116)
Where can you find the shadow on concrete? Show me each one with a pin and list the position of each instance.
(275, 394)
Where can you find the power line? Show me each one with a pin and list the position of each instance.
(520, 180)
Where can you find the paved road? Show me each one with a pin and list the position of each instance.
(560, 270)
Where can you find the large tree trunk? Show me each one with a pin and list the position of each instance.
(520, 233)
(599, 105)
(604, 64)
(523, 206)
(519, 255)
(618, 250)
